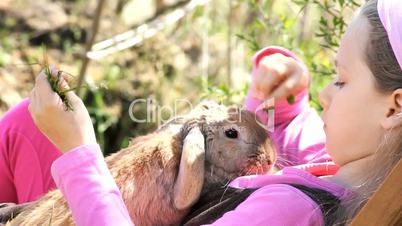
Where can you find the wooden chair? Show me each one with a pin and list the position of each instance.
(385, 206)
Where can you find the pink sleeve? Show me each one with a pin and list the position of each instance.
(298, 132)
(274, 205)
(91, 192)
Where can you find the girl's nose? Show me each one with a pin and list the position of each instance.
(325, 97)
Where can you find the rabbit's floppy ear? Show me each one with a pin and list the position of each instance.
(190, 179)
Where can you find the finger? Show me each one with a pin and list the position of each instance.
(44, 93)
(42, 85)
(61, 77)
(268, 78)
(66, 76)
(297, 81)
(72, 97)
(57, 72)
(269, 104)
(286, 88)
(260, 92)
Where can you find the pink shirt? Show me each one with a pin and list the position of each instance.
(94, 198)
(25, 157)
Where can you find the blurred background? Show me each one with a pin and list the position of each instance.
(160, 50)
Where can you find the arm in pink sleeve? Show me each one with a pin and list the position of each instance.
(298, 130)
(89, 188)
(274, 205)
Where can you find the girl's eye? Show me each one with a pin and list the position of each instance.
(231, 133)
(339, 84)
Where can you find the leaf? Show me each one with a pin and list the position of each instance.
(291, 99)
(323, 21)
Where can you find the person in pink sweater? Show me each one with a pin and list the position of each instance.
(25, 157)
(361, 119)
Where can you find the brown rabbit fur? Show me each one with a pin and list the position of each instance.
(146, 172)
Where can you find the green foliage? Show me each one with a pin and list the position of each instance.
(221, 93)
(94, 99)
(332, 22)
(101, 119)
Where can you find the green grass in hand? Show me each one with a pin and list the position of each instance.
(54, 84)
(291, 99)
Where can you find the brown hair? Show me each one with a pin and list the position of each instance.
(384, 66)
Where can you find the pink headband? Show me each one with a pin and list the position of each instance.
(390, 12)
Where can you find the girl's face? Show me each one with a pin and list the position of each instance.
(353, 107)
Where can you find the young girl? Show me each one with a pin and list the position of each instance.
(361, 120)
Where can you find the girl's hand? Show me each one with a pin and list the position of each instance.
(279, 76)
(66, 129)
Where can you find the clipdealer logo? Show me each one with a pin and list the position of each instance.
(160, 114)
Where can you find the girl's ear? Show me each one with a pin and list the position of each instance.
(394, 116)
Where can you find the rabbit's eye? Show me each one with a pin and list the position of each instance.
(231, 133)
